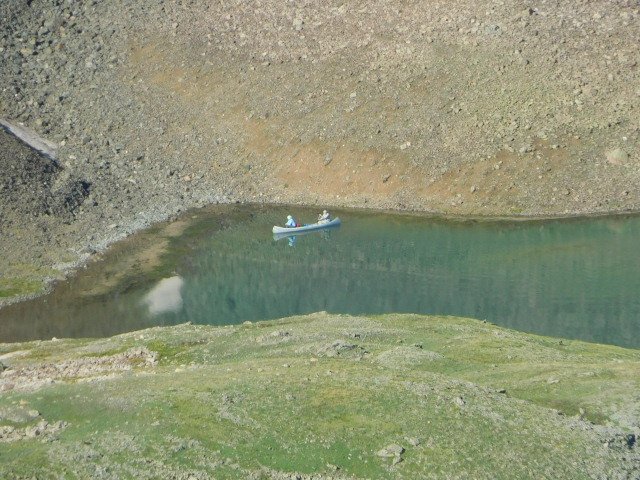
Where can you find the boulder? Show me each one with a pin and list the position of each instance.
(617, 156)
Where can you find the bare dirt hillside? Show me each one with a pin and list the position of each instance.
(491, 108)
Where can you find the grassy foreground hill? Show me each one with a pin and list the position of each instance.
(320, 396)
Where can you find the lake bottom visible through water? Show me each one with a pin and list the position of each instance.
(576, 279)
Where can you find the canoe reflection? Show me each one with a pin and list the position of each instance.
(324, 233)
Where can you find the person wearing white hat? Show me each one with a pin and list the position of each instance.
(324, 217)
(291, 222)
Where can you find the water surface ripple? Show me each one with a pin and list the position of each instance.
(577, 279)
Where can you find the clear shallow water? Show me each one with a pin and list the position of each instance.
(577, 279)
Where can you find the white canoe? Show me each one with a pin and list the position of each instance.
(306, 228)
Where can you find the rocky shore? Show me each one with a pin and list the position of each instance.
(494, 108)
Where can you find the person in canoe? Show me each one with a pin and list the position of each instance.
(324, 217)
(291, 222)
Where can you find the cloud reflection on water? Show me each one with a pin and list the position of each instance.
(166, 296)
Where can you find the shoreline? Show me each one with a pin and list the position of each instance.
(462, 114)
(69, 269)
(119, 121)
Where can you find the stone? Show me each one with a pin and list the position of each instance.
(337, 348)
(617, 156)
(413, 441)
(493, 30)
(393, 450)
(525, 149)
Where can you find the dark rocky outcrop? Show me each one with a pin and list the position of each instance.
(32, 185)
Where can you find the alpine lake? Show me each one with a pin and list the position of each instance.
(569, 278)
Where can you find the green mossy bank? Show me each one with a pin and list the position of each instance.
(320, 396)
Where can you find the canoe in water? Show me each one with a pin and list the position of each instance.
(306, 228)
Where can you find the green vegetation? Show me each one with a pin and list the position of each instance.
(24, 279)
(10, 287)
(321, 394)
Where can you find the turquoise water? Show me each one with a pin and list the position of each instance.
(577, 279)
